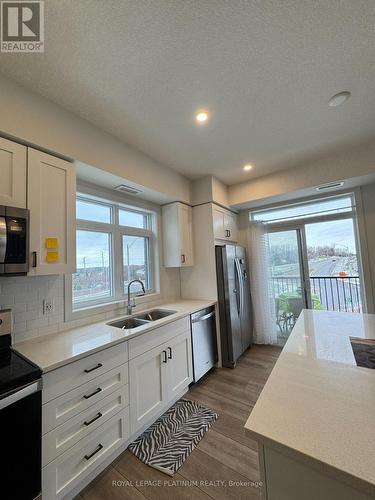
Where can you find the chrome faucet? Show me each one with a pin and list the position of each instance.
(131, 302)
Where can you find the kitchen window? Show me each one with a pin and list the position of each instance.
(115, 244)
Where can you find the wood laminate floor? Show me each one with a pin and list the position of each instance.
(225, 463)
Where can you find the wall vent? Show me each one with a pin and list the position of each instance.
(123, 188)
(333, 185)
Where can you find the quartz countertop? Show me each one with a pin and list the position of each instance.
(317, 403)
(55, 350)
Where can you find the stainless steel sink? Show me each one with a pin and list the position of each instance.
(154, 315)
(128, 323)
(141, 319)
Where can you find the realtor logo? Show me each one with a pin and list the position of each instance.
(22, 26)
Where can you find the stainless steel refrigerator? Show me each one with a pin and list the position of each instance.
(234, 303)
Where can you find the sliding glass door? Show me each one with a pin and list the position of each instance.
(288, 278)
(313, 265)
(333, 264)
(313, 258)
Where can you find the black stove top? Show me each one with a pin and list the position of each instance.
(15, 371)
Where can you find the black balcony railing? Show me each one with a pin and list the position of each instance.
(331, 293)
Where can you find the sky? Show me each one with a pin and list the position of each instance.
(338, 233)
(93, 247)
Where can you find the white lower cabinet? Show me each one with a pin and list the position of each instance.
(63, 474)
(180, 366)
(66, 435)
(93, 407)
(148, 387)
(76, 401)
(85, 418)
(157, 377)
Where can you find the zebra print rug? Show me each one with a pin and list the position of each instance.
(167, 443)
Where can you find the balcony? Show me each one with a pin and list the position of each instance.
(333, 293)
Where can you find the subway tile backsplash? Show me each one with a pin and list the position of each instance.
(25, 295)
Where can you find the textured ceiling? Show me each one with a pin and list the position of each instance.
(265, 69)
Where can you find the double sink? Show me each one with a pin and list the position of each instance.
(141, 319)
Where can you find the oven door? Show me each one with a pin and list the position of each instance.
(21, 436)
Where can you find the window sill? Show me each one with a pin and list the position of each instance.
(117, 306)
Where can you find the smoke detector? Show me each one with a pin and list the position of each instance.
(123, 188)
(333, 185)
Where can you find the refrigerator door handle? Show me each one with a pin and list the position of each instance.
(239, 287)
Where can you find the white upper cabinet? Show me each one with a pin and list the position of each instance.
(51, 198)
(230, 222)
(225, 224)
(218, 221)
(178, 235)
(12, 174)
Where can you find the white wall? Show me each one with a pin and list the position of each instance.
(27, 116)
(368, 238)
(199, 281)
(209, 189)
(351, 163)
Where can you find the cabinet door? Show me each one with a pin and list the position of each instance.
(219, 223)
(230, 222)
(186, 235)
(148, 386)
(13, 174)
(178, 235)
(51, 200)
(180, 366)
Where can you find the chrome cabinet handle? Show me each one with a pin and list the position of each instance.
(93, 393)
(170, 353)
(99, 447)
(89, 370)
(93, 419)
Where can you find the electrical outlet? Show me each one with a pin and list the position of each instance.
(47, 306)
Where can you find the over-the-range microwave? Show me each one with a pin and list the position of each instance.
(14, 241)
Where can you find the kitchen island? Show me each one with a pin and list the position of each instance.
(315, 418)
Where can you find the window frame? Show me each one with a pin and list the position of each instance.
(356, 214)
(116, 232)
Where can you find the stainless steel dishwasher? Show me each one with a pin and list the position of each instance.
(203, 332)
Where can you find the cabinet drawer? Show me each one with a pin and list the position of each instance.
(66, 435)
(69, 469)
(66, 406)
(148, 341)
(68, 377)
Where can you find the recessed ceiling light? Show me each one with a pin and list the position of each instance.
(201, 116)
(339, 98)
(248, 167)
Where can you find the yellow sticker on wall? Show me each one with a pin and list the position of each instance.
(52, 243)
(52, 257)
